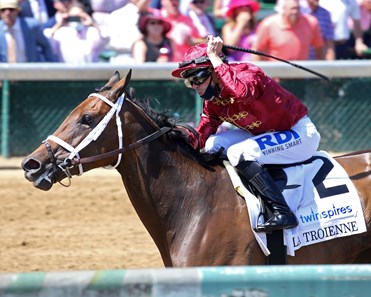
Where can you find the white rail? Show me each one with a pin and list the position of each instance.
(237, 281)
(157, 71)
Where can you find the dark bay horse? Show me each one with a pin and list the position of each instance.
(190, 208)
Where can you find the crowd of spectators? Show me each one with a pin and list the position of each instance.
(138, 31)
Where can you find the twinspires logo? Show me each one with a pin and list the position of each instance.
(278, 141)
(331, 221)
(335, 212)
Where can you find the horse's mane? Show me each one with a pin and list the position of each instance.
(162, 119)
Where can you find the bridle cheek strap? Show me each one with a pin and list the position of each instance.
(95, 133)
(120, 134)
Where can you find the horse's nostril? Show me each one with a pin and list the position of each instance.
(31, 164)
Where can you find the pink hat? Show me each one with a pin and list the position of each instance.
(195, 57)
(153, 15)
(233, 4)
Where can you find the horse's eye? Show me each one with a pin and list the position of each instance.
(87, 120)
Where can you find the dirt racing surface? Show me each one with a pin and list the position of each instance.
(89, 226)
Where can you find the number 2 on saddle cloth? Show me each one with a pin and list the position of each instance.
(280, 178)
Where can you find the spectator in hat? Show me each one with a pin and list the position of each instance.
(240, 27)
(21, 38)
(154, 46)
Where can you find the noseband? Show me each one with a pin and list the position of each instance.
(74, 157)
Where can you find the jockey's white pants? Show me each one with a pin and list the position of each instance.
(285, 147)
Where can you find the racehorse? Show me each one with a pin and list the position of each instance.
(189, 206)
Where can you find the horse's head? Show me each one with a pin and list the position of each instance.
(81, 134)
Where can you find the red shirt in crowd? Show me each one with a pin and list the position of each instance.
(278, 38)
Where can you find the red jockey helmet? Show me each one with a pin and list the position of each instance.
(194, 58)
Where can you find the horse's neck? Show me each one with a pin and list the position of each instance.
(154, 172)
(157, 181)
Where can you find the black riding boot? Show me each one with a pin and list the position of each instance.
(282, 217)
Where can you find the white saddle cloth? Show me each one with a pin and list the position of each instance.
(325, 209)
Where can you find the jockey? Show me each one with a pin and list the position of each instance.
(272, 125)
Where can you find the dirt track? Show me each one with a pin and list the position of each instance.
(88, 226)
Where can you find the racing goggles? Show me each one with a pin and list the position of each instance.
(197, 77)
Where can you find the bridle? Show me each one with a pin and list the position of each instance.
(74, 157)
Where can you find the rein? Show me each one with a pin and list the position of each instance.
(74, 157)
(129, 147)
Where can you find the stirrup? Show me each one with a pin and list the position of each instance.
(271, 228)
(262, 228)
(258, 227)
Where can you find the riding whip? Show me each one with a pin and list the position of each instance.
(236, 48)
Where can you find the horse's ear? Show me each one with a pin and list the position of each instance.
(127, 79)
(120, 87)
(114, 79)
